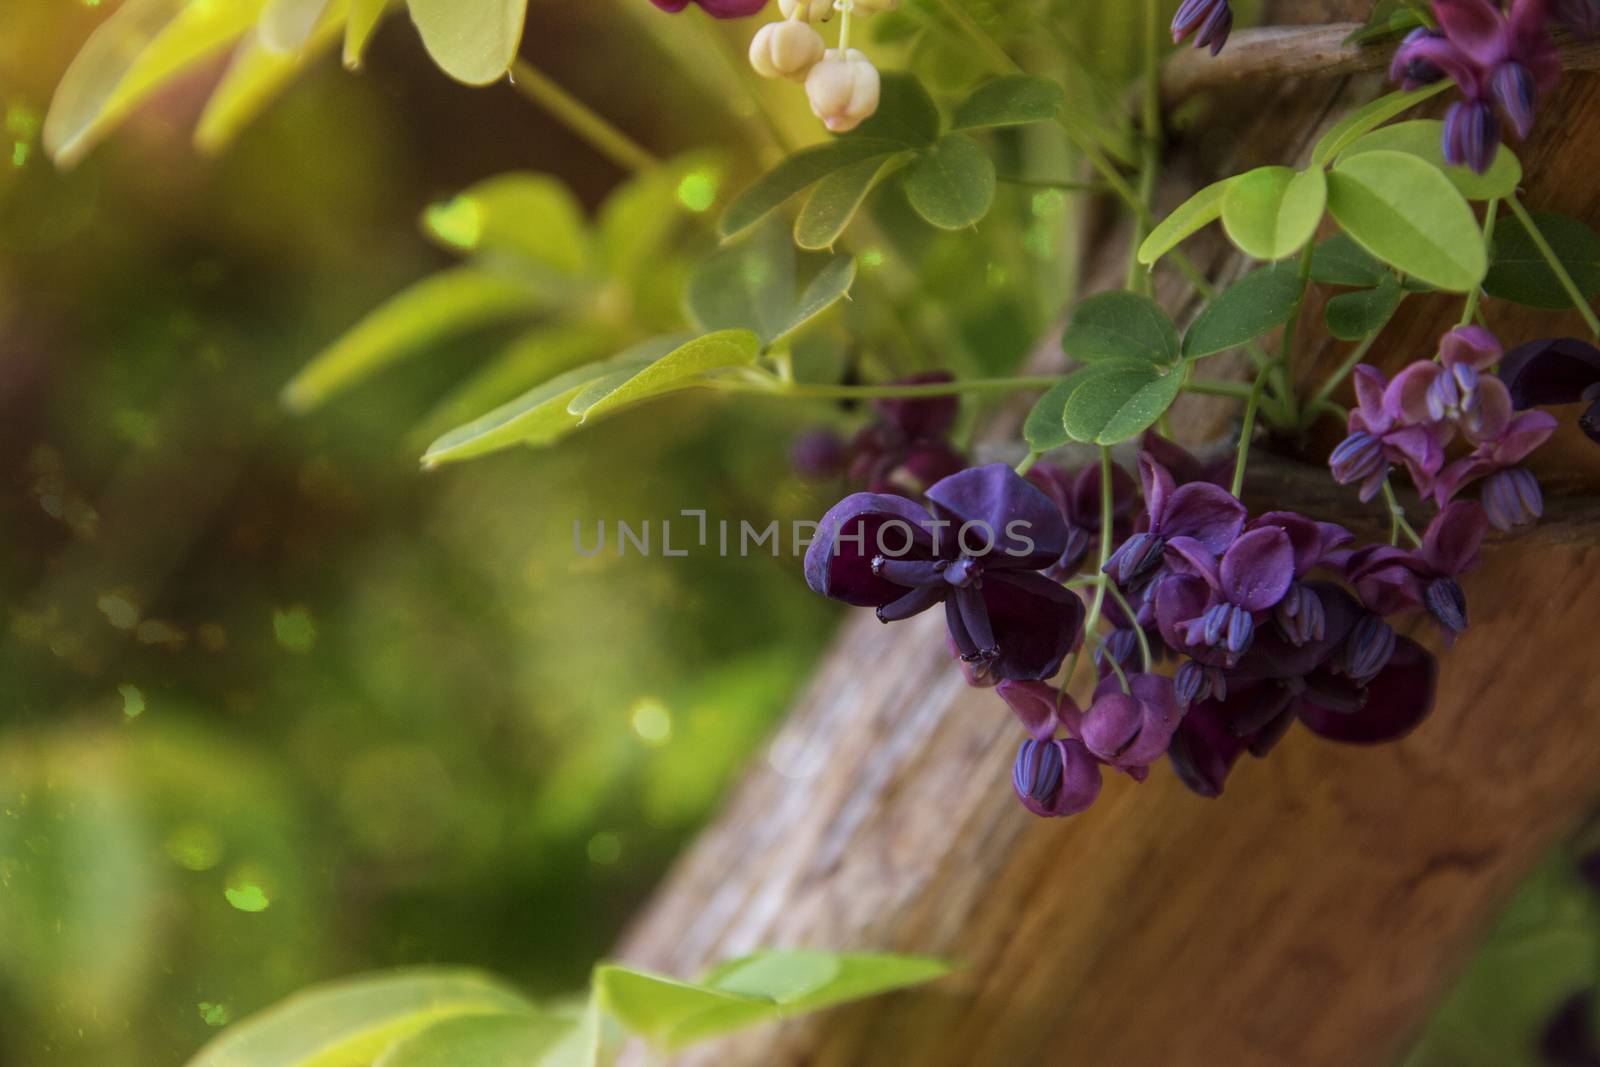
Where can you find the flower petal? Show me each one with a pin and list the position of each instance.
(1203, 750)
(1477, 28)
(1205, 512)
(1257, 569)
(1405, 398)
(839, 560)
(1370, 385)
(1553, 371)
(1472, 345)
(1398, 698)
(1310, 541)
(1035, 704)
(1450, 544)
(995, 506)
(1036, 623)
(1157, 483)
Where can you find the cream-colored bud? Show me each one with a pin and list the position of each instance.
(843, 88)
(785, 50)
(810, 10)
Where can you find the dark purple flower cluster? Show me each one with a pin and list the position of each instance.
(1559, 370)
(1412, 420)
(904, 449)
(1496, 57)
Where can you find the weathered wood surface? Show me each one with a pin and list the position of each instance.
(1312, 916)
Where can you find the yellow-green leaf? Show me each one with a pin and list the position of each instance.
(446, 303)
(1195, 213)
(836, 199)
(473, 41)
(286, 25)
(1270, 212)
(512, 1040)
(364, 18)
(530, 217)
(1424, 138)
(678, 369)
(352, 1023)
(256, 76)
(1405, 212)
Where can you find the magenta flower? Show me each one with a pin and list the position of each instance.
(1448, 390)
(722, 9)
(977, 549)
(1212, 604)
(1079, 497)
(1495, 57)
(1204, 512)
(1502, 441)
(1380, 435)
(1054, 778)
(1396, 581)
(1558, 370)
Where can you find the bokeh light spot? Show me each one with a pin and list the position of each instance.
(651, 721)
(247, 897)
(132, 701)
(605, 848)
(194, 847)
(214, 1014)
(698, 190)
(457, 222)
(295, 630)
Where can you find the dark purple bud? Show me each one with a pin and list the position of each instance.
(1416, 70)
(1448, 603)
(1512, 498)
(1513, 88)
(1209, 20)
(1112, 725)
(1122, 646)
(1556, 370)
(921, 416)
(1241, 628)
(1195, 682)
(1582, 17)
(1356, 458)
(818, 455)
(1300, 615)
(1054, 778)
(1471, 134)
(1137, 557)
(1368, 648)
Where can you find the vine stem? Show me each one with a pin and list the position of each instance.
(1210, 387)
(1247, 430)
(1397, 518)
(1144, 642)
(580, 118)
(1350, 362)
(776, 387)
(1556, 266)
(1488, 239)
(1150, 156)
(1101, 579)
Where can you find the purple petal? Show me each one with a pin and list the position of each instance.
(1180, 598)
(996, 505)
(1203, 750)
(1186, 555)
(1370, 385)
(1450, 544)
(1476, 27)
(1035, 703)
(1471, 135)
(1257, 569)
(859, 527)
(1526, 433)
(1459, 474)
(1493, 414)
(1553, 371)
(1424, 51)
(1310, 541)
(1208, 513)
(1036, 624)
(1472, 345)
(1405, 398)
(1157, 483)
(1399, 698)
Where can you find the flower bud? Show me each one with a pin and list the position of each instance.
(1512, 86)
(1300, 615)
(1368, 648)
(1195, 682)
(1471, 134)
(1512, 498)
(1356, 458)
(843, 89)
(817, 455)
(1054, 778)
(785, 50)
(1448, 603)
(1129, 730)
(810, 10)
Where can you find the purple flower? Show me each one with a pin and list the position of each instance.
(1495, 57)
(1054, 778)
(1079, 497)
(1558, 370)
(1130, 730)
(1209, 20)
(1449, 390)
(1211, 603)
(1204, 512)
(1582, 17)
(904, 449)
(1039, 706)
(1380, 435)
(976, 549)
(1395, 581)
(817, 455)
(722, 9)
(1502, 440)
(1299, 613)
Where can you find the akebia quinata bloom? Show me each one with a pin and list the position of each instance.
(977, 549)
(843, 88)
(786, 50)
(1558, 370)
(1209, 21)
(722, 9)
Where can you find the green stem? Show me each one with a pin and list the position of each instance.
(1488, 243)
(1208, 387)
(578, 117)
(1052, 183)
(1101, 579)
(1247, 430)
(775, 387)
(1556, 266)
(1397, 518)
(1350, 362)
(1280, 369)
(1111, 661)
(1027, 462)
(1150, 156)
(1144, 642)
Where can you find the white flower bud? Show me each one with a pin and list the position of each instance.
(843, 88)
(810, 10)
(785, 50)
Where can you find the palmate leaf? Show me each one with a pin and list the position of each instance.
(1045, 427)
(830, 285)
(1351, 316)
(1122, 401)
(748, 286)
(679, 369)
(510, 1040)
(835, 199)
(1405, 212)
(952, 184)
(1338, 260)
(1010, 100)
(1252, 306)
(533, 218)
(1520, 272)
(1270, 212)
(800, 171)
(1120, 325)
(354, 1022)
(1424, 138)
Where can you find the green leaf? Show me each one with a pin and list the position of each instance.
(285, 25)
(141, 48)
(800, 170)
(1195, 213)
(1340, 261)
(364, 18)
(513, 1040)
(446, 303)
(831, 285)
(635, 224)
(473, 41)
(756, 989)
(532, 218)
(1363, 120)
(836, 199)
(1351, 316)
(537, 417)
(1405, 212)
(342, 1024)
(1271, 212)
(255, 78)
(1010, 100)
(537, 356)
(679, 369)
(906, 114)
(1519, 272)
(952, 185)
(1424, 138)
(747, 286)
(1120, 325)
(1045, 428)
(1120, 403)
(1254, 305)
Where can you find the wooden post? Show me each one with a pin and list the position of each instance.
(1311, 916)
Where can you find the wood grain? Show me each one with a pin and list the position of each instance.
(1311, 916)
